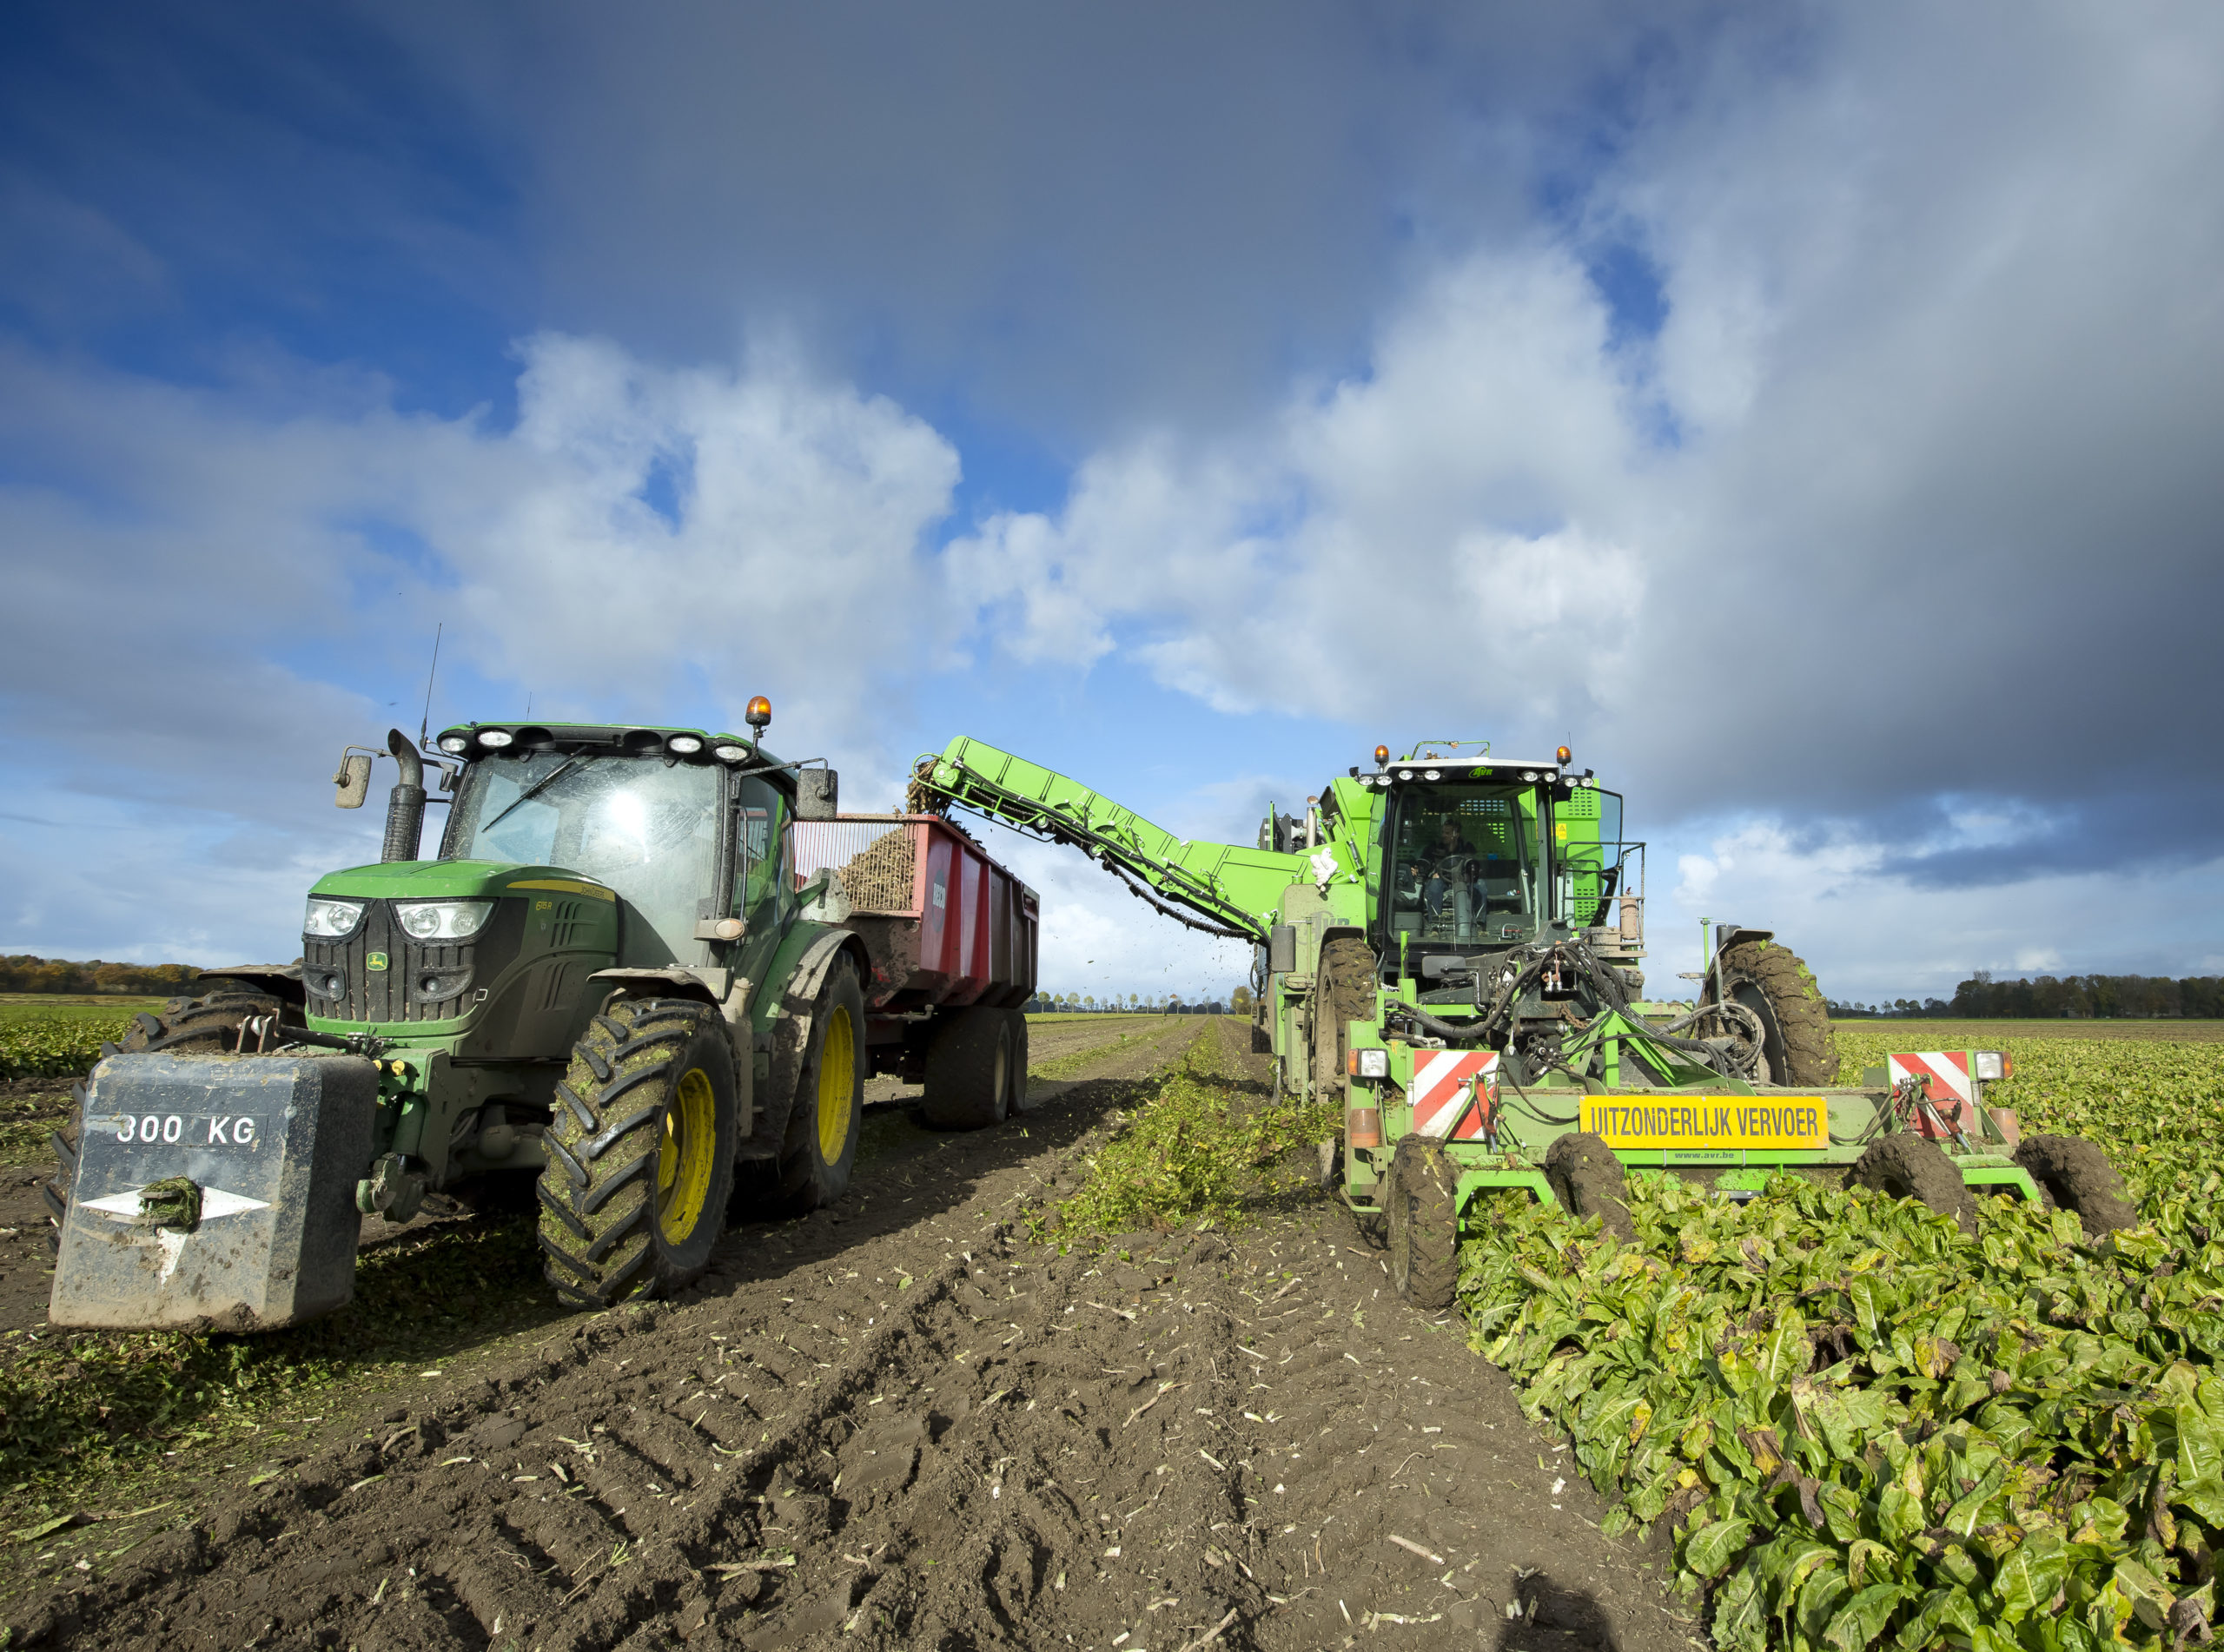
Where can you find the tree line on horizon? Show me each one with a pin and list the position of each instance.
(25, 973)
(2061, 998)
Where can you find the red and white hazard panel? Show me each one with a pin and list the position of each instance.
(1446, 1086)
(1951, 1090)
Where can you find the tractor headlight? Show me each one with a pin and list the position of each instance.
(1374, 1064)
(1991, 1064)
(442, 920)
(331, 919)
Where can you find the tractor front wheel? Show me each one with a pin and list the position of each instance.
(1421, 1196)
(1589, 1180)
(1904, 1166)
(2078, 1175)
(640, 1152)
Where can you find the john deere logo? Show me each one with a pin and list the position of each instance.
(376, 960)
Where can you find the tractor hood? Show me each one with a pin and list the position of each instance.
(454, 881)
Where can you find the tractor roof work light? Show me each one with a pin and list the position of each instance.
(494, 739)
(454, 744)
(760, 713)
(685, 744)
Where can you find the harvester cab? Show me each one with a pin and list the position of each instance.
(605, 992)
(1448, 960)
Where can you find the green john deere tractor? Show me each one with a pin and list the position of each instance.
(605, 993)
(1447, 951)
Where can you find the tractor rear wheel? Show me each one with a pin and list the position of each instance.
(216, 1024)
(2078, 1176)
(1422, 1195)
(1589, 1180)
(969, 1077)
(828, 1111)
(640, 1152)
(1904, 1166)
(1797, 1036)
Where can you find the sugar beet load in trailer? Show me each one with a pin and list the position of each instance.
(1448, 953)
(614, 990)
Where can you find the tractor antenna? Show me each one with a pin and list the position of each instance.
(425, 724)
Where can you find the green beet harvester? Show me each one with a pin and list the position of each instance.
(1447, 951)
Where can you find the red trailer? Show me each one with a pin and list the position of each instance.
(952, 937)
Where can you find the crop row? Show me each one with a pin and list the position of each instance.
(56, 1047)
(1867, 1429)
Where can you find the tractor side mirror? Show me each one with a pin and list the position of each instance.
(817, 794)
(354, 780)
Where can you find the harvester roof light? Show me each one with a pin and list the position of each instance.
(1562, 756)
(685, 744)
(1528, 774)
(1381, 756)
(730, 754)
(1433, 774)
(1405, 774)
(760, 712)
(454, 744)
(496, 738)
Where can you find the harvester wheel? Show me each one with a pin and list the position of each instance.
(1798, 1038)
(1588, 1180)
(214, 1025)
(1904, 1166)
(1345, 994)
(1422, 1198)
(829, 1113)
(969, 1077)
(2079, 1177)
(640, 1152)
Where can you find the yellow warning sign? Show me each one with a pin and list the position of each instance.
(1748, 1123)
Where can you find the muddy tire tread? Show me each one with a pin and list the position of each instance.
(1589, 1180)
(961, 1075)
(1810, 1041)
(1422, 1195)
(1905, 1166)
(2076, 1176)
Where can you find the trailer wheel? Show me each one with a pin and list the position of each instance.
(2078, 1176)
(969, 1071)
(1422, 1195)
(640, 1152)
(829, 1113)
(1798, 1038)
(1589, 1180)
(1019, 1046)
(1904, 1166)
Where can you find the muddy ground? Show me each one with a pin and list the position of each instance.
(899, 1423)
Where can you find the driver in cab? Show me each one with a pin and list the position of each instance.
(1447, 859)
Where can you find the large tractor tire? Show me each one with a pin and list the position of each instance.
(640, 1152)
(969, 1077)
(1421, 1196)
(1904, 1166)
(1346, 992)
(829, 1113)
(1588, 1180)
(216, 1024)
(2078, 1175)
(1797, 1036)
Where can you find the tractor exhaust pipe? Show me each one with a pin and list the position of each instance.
(405, 805)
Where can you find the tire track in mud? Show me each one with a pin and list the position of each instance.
(931, 1433)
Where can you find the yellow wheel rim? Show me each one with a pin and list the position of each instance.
(837, 1085)
(683, 1157)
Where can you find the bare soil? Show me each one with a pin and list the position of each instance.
(897, 1424)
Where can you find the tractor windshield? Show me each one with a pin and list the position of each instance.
(648, 830)
(1467, 866)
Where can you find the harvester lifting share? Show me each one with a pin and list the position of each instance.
(1446, 951)
(631, 989)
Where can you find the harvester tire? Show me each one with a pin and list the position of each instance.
(969, 1077)
(1422, 1198)
(1796, 1035)
(1019, 1046)
(1345, 994)
(212, 1025)
(828, 1115)
(640, 1152)
(2078, 1175)
(1904, 1166)
(1588, 1180)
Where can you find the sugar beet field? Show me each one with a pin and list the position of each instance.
(1818, 1419)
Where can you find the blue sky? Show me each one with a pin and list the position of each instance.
(1808, 413)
